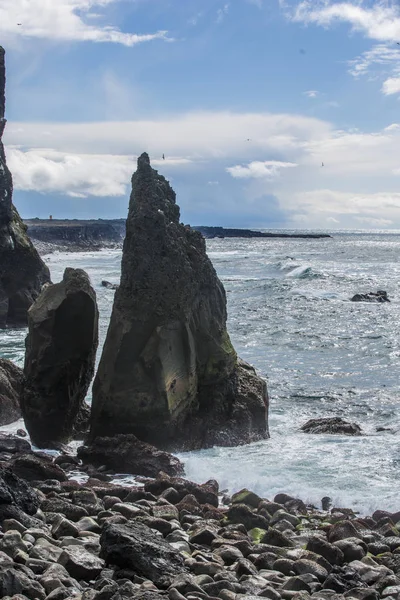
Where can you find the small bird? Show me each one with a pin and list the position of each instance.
(163, 157)
(19, 24)
(398, 43)
(322, 165)
(248, 140)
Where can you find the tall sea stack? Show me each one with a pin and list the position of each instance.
(169, 373)
(22, 272)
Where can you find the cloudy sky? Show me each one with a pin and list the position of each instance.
(247, 99)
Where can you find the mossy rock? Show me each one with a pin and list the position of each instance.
(245, 496)
(256, 534)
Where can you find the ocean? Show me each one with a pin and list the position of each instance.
(290, 315)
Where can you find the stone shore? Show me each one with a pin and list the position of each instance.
(169, 538)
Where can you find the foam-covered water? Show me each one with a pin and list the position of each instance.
(322, 355)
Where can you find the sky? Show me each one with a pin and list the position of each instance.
(261, 113)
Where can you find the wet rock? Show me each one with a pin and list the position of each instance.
(241, 513)
(341, 531)
(304, 566)
(206, 493)
(379, 296)
(331, 553)
(22, 272)
(352, 549)
(127, 454)
(109, 285)
(246, 497)
(62, 506)
(331, 425)
(276, 538)
(12, 444)
(59, 362)
(80, 563)
(135, 546)
(343, 579)
(11, 381)
(168, 372)
(35, 467)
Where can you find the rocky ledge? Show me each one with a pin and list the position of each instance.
(170, 538)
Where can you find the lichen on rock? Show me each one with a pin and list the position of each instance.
(169, 373)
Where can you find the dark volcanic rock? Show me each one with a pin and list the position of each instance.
(109, 285)
(16, 497)
(127, 454)
(169, 373)
(60, 354)
(33, 467)
(136, 547)
(331, 425)
(11, 380)
(379, 296)
(13, 444)
(22, 272)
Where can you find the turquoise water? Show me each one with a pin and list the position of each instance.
(322, 355)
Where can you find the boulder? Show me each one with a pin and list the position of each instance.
(169, 373)
(17, 498)
(22, 272)
(60, 355)
(331, 425)
(136, 547)
(11, 380)
(12, 444)
(109, 285)
(37, 467)
(127, 454)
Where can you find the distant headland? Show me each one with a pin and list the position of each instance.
(79, 235)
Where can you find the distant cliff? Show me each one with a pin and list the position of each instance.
(75, 235)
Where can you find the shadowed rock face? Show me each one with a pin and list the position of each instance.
(22, 272)
(60, 355)
(169, 373)
(11, 381)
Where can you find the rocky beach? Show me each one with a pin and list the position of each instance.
(167, 537)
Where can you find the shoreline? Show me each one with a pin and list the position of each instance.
(168, 537)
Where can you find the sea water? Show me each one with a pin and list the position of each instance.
(290, 315)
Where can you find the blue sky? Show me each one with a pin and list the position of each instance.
(245, 98)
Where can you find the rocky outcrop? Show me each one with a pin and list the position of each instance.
(127, 454)
(331, 425)
(60, 355)
(379, 296)
(169, 373)
(11, 380)
(22, 272)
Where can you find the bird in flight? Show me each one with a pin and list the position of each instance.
(163, 157)
(248, 140)
(19, 24)
(398, 43)
(322, 165)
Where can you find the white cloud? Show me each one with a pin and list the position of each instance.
(359, 179)
(64, 20)
(379, 21)
(391, 86)
(268, 169)
(195, 135)
(311, 93)
(76, 175)
(382, 55)
(222, 12)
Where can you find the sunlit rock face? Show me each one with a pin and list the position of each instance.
(22, 272)
(169, 373)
